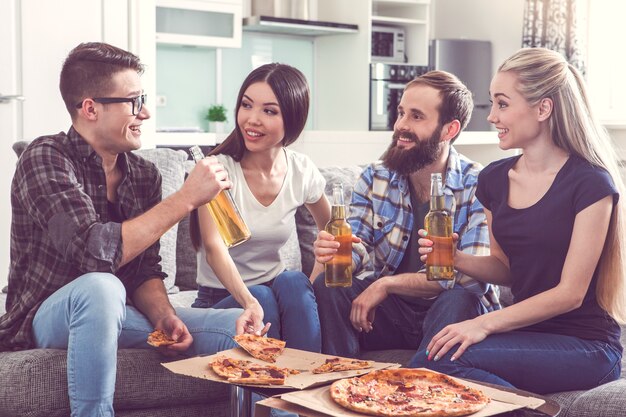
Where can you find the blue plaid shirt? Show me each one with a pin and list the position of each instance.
(381, 216)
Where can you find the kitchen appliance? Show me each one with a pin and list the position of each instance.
(387, 44)
(387, 82)
(470, 60)
(291, 9)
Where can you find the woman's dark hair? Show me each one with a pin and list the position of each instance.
(88, 70)
(292, 93)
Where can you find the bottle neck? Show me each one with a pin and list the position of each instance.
(338, 212)
(437, 203)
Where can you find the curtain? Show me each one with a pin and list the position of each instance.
(556, 25)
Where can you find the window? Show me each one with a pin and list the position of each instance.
(607, 61)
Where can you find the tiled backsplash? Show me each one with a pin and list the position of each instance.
(187, 77)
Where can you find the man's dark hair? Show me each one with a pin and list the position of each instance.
(88, 69)
(456, 98)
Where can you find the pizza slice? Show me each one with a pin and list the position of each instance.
(229, 367)
(238, 371)
(260, 347)
(341, 364)
(159, 338)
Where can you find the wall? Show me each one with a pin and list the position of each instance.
(494, 20)
(187, 77)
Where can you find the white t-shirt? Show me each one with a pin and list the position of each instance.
(257, 260)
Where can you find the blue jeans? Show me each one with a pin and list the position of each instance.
(532, 361)
(89, 317)
(288, 303)
(398, 323)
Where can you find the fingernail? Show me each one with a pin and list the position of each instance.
(452, 359)
(436, 358)
(425, 233)
(426, 353)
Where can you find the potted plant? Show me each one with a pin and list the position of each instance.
(216, 115)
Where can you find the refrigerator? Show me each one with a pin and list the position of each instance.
(470, 60)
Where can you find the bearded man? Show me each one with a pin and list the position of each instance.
(387, 309)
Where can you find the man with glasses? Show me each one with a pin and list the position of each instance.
(85, 272)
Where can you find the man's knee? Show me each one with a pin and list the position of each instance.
(458, 299)
(289, 281)
(100, 290)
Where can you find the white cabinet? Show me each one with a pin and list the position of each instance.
(342, 63)
(212, 23)
(413, 17)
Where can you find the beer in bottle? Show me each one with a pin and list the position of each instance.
(225, 213)
(338, 271)
(438, 224)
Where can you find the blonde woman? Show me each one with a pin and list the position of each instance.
(557, 239)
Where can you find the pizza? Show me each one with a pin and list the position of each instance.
(407, 393)
(239, 371)
(159, 338)
(341, 364)
(260, 347)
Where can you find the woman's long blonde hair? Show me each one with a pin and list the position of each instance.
(544, 73)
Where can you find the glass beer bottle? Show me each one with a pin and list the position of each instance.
(225, 213)
(338, 271)
(438, 224)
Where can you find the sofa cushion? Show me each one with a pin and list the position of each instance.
(608, 400)
(170, 164)
(38, 383)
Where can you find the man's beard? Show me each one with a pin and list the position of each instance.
(407, 161)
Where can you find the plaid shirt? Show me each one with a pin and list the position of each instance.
(61, 226)
(381, 216)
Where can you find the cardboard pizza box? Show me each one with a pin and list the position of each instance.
(291, 358)
(316, 402)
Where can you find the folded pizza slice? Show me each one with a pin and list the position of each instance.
(260, 347)
(159, 338)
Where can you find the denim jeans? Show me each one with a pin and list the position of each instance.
(288, 303)
(89, 318)
(532, 361)
(398, 322)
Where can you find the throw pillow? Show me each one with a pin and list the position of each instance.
(170, 164)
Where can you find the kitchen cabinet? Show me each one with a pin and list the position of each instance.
(413, 17)
(342, 63)
(211, 23)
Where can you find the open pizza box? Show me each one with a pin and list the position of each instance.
(291, 358)
(316, 402)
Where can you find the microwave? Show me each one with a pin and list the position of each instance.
(387, 44)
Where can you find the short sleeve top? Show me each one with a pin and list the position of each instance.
(257, 259)
(536, 240)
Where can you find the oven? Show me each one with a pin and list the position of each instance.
(387, 82)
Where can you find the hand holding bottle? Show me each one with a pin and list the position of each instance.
(325, 246)
(426, 245)
(205, 181)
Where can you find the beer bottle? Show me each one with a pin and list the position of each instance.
(438, 224)
(225, 213)
(338, 271)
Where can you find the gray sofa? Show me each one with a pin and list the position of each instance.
(34, 383)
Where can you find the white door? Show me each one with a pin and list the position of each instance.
(35, 38)
(9, 130)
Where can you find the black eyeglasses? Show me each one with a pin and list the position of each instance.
(138, 102)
